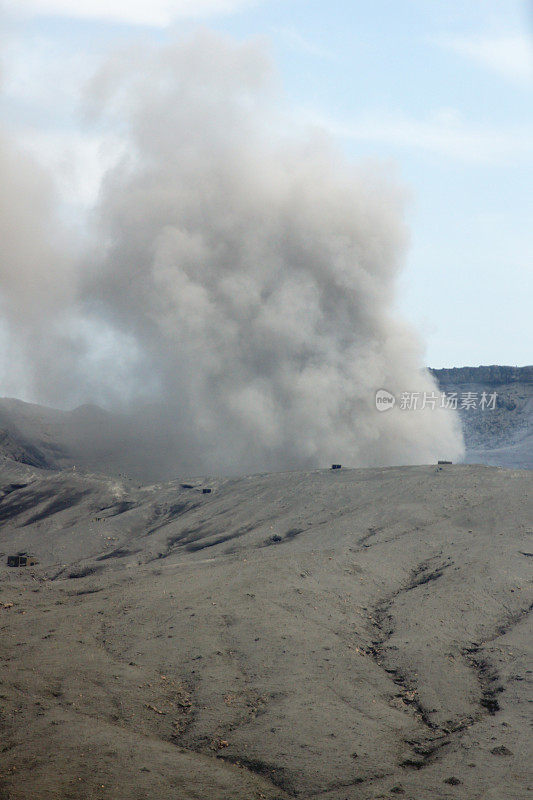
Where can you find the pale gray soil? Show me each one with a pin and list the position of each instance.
(351, 634)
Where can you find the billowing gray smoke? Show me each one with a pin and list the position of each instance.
(38, 279)
(253, 272)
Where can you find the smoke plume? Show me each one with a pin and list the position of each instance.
(244, 273)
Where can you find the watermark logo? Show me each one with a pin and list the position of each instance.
(384, 400)
(417, 401)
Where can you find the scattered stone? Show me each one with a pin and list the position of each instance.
(153, 708)
(453, 781)
(501, 751)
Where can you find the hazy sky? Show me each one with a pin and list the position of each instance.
(439, 89)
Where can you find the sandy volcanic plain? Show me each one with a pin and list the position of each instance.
(342, 635)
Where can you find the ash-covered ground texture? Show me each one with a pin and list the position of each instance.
(501, 436)
(336, 634)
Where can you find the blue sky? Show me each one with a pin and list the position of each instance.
(438, 89)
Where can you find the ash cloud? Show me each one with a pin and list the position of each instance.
(38, 276)
(251, 270)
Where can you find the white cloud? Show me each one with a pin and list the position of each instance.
(159, 13)
(444, 133)
(510, 56)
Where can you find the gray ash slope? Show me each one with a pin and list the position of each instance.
(503, 436)
(351, 634)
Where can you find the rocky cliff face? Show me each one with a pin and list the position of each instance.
(493, 375)
(495, 404)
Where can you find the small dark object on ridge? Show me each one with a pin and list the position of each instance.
(21, 560)
(336, 466)
(206, 491)
(444, 462)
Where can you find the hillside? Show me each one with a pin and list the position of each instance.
(356, 634)
(88, 438)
